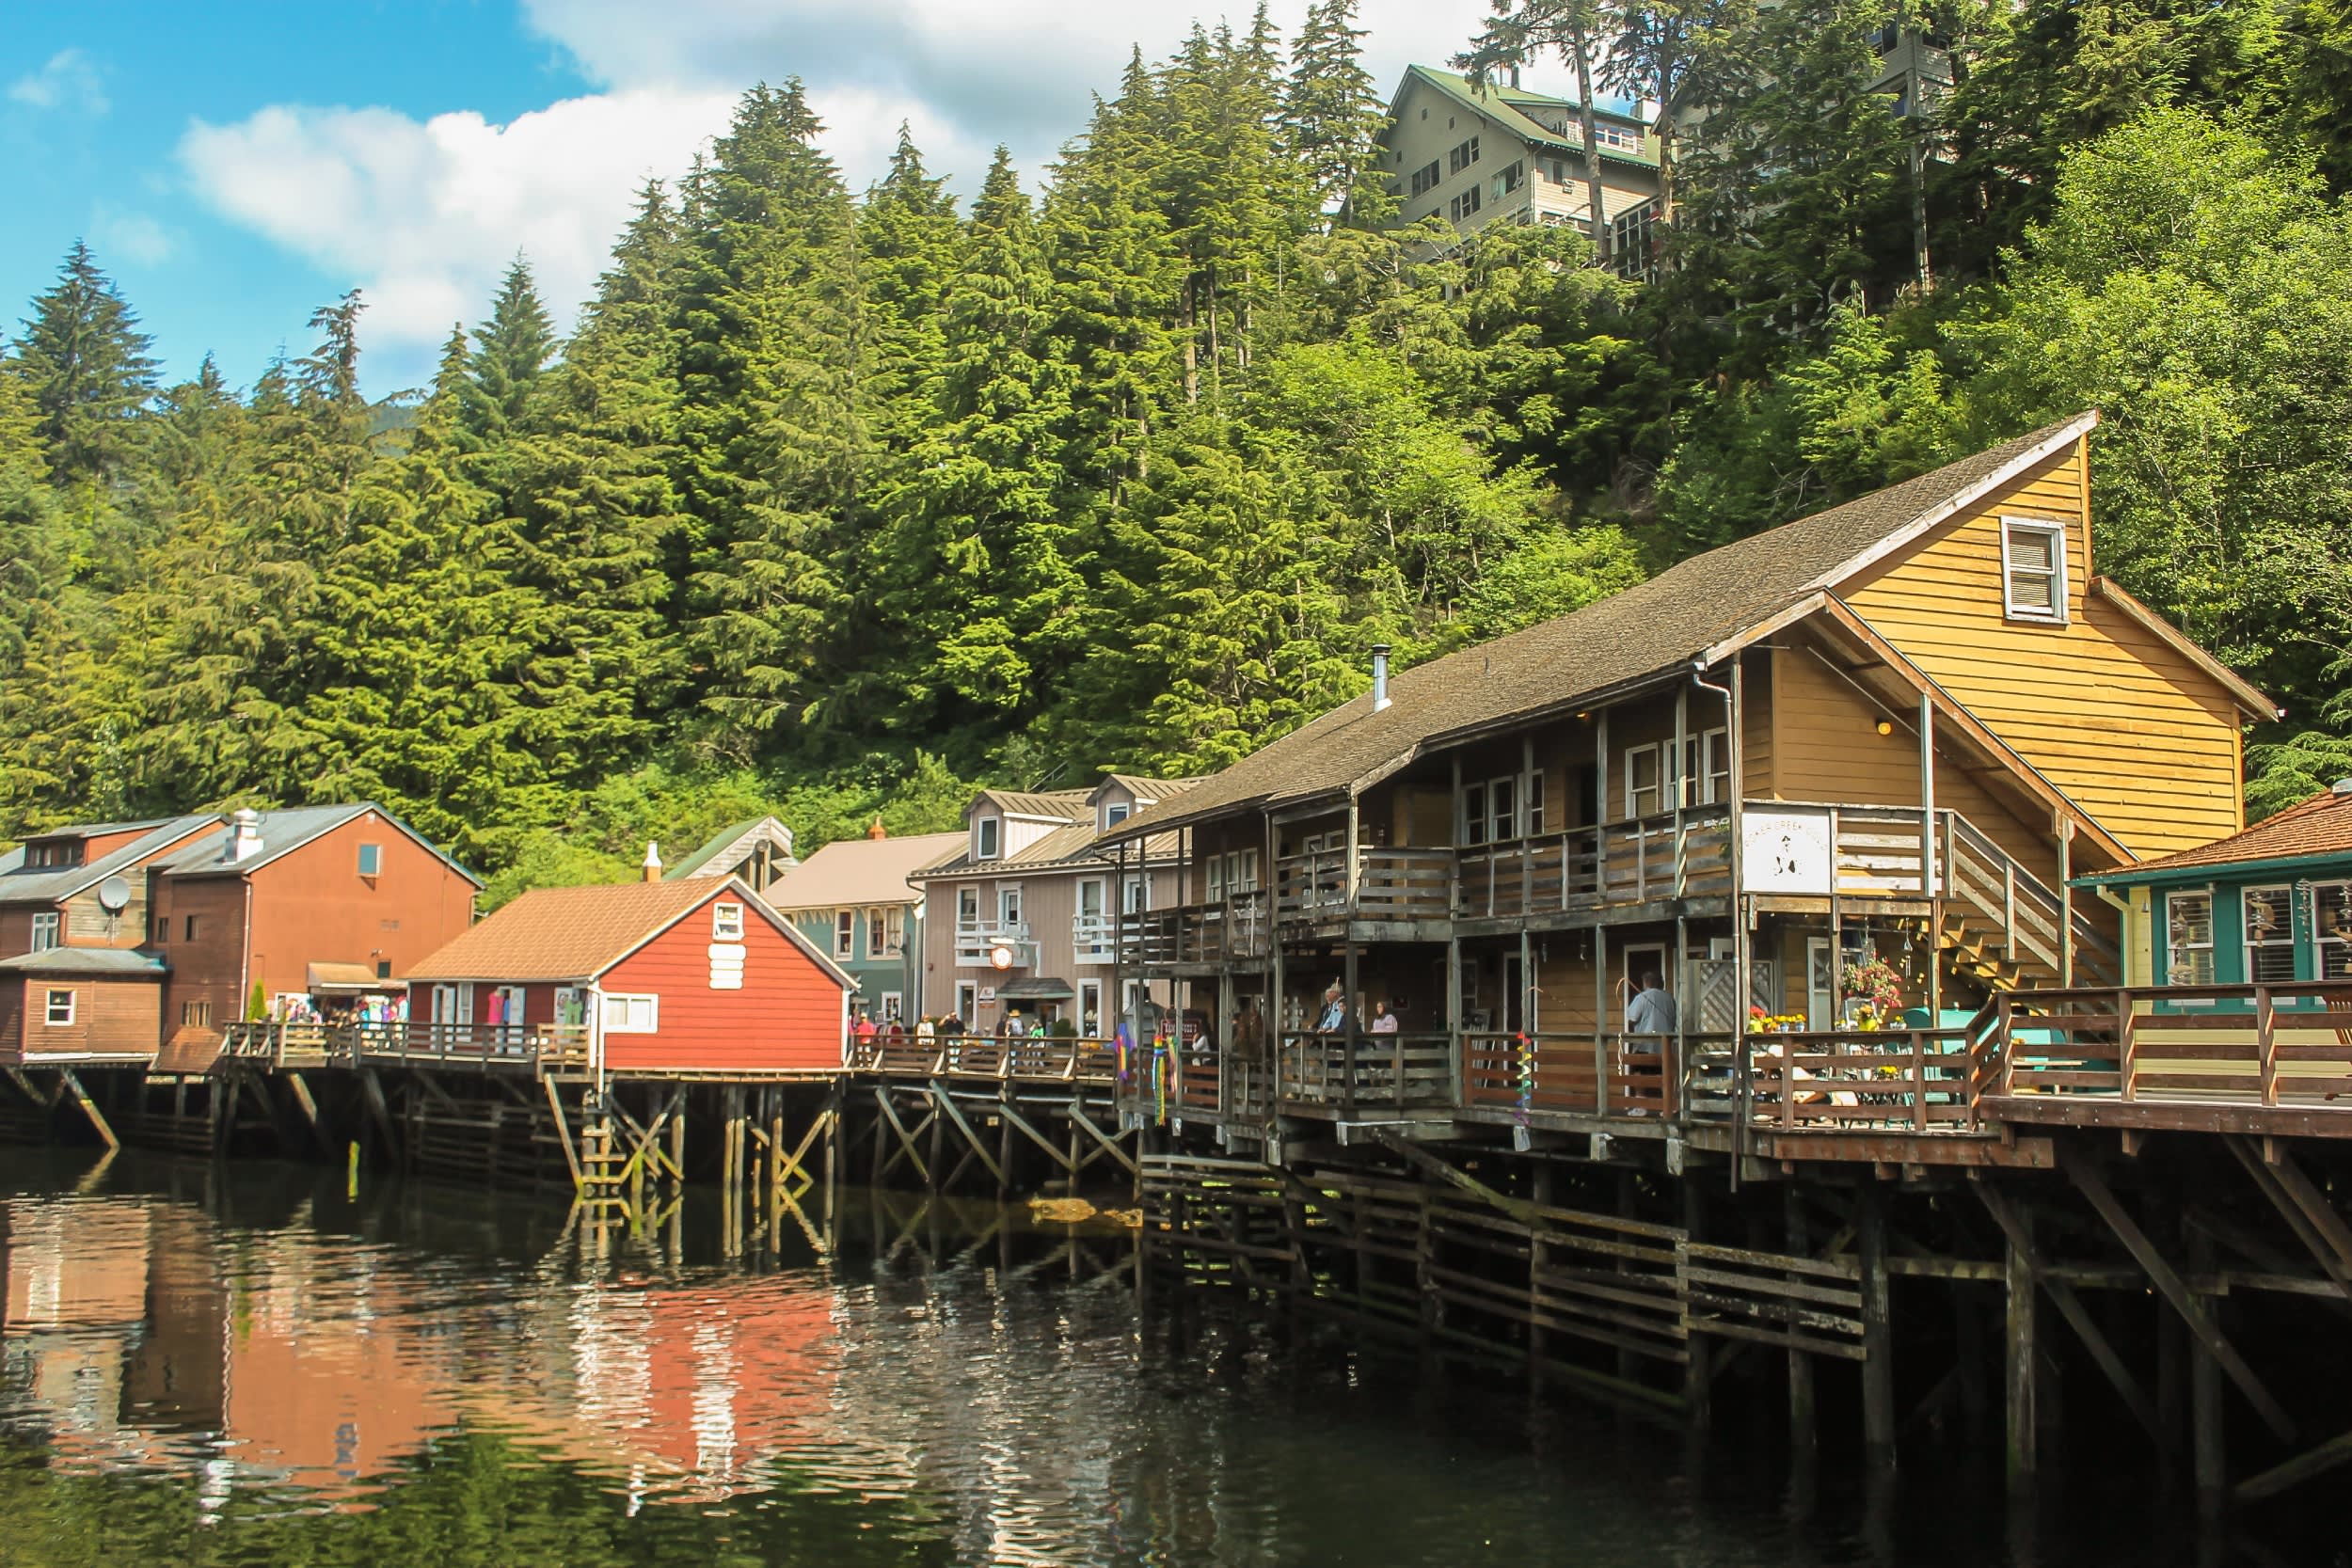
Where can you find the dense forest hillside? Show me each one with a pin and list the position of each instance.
(833, 502)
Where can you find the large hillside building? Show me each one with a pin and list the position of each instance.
(1482, 155)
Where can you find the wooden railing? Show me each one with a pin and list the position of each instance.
(1918, 1081)
(1615, 1075)
(1623, 862)
(539, 1046)
(1236, 927)
(2276, 1045)
(1033, 1058)
(1382, 1071)
(1391, 884)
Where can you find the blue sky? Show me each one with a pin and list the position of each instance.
(234, 166)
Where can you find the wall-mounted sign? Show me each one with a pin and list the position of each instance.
(1787, 852)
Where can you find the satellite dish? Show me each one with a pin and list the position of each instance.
(114, 895)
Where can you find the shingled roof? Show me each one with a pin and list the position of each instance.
(2321, 825)
(1631, 639)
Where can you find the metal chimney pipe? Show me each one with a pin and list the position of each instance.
(1380, 677)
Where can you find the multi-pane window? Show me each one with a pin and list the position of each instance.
(1474, 814)
(2332, 930)
(57, 1009)
(1644, 781)
(2269, 935)
(844, 933)
(633, 1015)
(726, 923)
(1651, 778)
(1462, 156)
(1536, 803)
(1465, 204)
(2188, 939)
(1502, 810)
(1511, 179)
(2033, 569)
(1009, 906)
(885, 931)
(196, 1015)
(46, 925)
(1425, 176)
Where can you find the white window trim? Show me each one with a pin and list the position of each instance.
(845, 933)
(49, 1006)
(2245, 931)
(1008, 914)
(625, 1014)
(727, 921)
(1114, 812)
(2056, 615)
(990, 844)
(893, 1006)
(362, 859)
(48, 922)
(967, 1000)
(2173, 951)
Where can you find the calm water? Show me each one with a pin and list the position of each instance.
(246, 1366)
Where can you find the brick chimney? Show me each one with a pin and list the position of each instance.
(653, 862)
(876, 830)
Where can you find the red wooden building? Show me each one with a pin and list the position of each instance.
(662, 977)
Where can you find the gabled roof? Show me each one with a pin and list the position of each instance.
(52, 885)
(563, 934)
(852, 871)
(1154, 790)
(1514, 110)
(2316, 828)
(730, 846)
(284, 832)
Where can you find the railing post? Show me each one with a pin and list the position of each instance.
(1918, 1081)
(2266, 1044)
(2126, 1041)
(2002, 1042)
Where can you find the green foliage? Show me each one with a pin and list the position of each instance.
(832, 506)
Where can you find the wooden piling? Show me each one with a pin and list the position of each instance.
(1877, 1336)
(2021, 1424)
(1804, 1417)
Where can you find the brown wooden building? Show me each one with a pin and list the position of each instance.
(1893, 731)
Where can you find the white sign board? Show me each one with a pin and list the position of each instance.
(1787, 852)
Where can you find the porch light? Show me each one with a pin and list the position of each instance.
(1885, 726)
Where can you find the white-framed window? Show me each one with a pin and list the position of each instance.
(633, 1015)
(967, 1000)
(877, 933)
(2270, 913)
(1535, 804)
(1135, 894)
(1644, 780)
(1241, 871)
(48, 927)
(726, 923)
(987, 838)
(2332, 930)
(1213, 879)
(2033, 569)
(1652, 781)
(895, 930)
(967, 907)
(2188, 938)
(1502, 810)
(1009, 904)
(57, 1008)
(845, 933)
(370, 859)
(1707, 762)
(1090, 1006)
(1114, 812)
(894, 1005)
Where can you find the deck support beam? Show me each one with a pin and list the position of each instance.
(89, 1107)
(1878, 1333)
(948, 1107)
(2093, 1186)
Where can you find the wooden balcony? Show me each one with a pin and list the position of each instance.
(1388, 885)
(534, 1048)
(1234, 928)
(1381, 1073)
(1582, 870)
(2275, 1059)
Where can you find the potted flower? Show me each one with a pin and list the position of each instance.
(1875, 983)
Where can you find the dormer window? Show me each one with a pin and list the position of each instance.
(2033, 569)
(987, 838)
(1114, 812)
(55, 853)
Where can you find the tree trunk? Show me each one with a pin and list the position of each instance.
(1581, 42)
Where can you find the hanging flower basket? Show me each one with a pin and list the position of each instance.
(1877, 985)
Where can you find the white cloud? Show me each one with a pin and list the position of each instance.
(118, 231)
(424, 215)
(68, 79)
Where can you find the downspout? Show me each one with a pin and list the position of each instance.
(1734, 716)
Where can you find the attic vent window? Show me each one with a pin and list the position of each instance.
(2033, 570)
(726, 923)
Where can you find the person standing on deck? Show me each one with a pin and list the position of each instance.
(923, 1030)
(865, 1030)
(1334, 1019)
(1383, 1021)
(1651, 1012)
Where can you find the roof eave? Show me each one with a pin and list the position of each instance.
(2205, 871)
(2252, 698)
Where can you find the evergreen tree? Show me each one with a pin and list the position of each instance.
(510, 351)
(1332, 116)
(84, 364)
